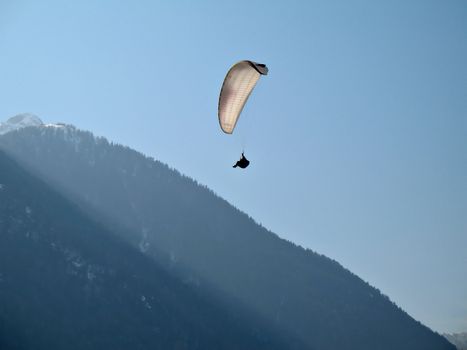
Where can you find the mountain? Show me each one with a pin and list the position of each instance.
(20, 121)
(215, 248)
(458, 339)
(68, 283)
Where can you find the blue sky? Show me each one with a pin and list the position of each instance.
(357, 137)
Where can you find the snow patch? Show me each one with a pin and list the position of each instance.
(25, 120)
(20, 121)
(143, 243)
(56, 126)
(146, 303)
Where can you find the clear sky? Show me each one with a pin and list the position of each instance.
(357, 137)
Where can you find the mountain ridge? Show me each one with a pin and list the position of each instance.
(27, 120)
(66, 282)
(205, 240)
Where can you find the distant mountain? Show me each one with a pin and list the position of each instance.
(20, 121)
(212, 246)
(458, 339)
(68, 283)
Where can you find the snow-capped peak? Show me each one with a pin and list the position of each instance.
(20, 121)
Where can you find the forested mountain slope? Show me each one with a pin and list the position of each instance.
(68, 283)
(211, 245)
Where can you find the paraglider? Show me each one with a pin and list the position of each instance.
(242, 163)
(238, 84)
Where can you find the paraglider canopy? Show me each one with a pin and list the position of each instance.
(237, 87)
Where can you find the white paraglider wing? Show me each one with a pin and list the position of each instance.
(238, 85)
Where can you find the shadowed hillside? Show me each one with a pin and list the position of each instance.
(67, 283)
(208, 244)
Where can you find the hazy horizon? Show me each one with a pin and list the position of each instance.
(357, 136)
